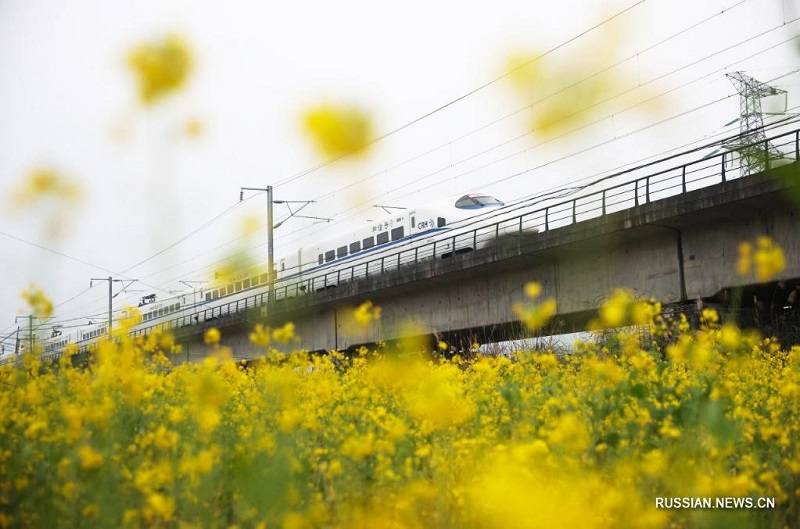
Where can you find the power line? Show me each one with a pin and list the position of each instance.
(187, 236)
(462, 97)
(427, 175)
(517, 68)
(56, 252)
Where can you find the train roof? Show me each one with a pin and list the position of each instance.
(477, 201)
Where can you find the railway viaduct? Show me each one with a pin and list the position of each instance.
(675, 249)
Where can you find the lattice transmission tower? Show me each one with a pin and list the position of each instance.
(752, 145)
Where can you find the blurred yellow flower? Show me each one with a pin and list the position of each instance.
(90, 511)
(621, 309)
(536, 316)
(48, 187)
(710, 316)
(45, 183)
(338, 131)
(89, 458)
(567, 93)
(765, 262)
(745, 263)
(439, 400)
(193, 128)
(366, 312)
(161, 66)
(284, 334)
(533, 290)
(250, 224)
(160, 506)
(40, 304)
(260, 336)
(212, 336)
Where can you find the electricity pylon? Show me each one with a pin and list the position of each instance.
(752, 145)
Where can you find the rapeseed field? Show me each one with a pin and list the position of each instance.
(589, 439)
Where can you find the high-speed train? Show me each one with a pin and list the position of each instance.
(312, 268)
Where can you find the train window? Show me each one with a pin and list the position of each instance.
(398, 233)
(355, 247)
(229, 289)
(216, 294)
(208, 296)
(440, 222)
(177, 306)
(330, 256)
(367, 243)
(160, 312)
(263, 278)
(320, 259)
(237, 286)
(341, 251)
(413, 222)
(254, 280)
(246, 282)
(383, 237)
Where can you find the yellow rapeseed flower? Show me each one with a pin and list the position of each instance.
(90, 459)
(536, 316)
(338, 130)
(161, 66)
(533, 290)
(193, 128)
(40, 304)
(45, 183)
(284, 334)
(160, 506)
(439, 400)
(566, 93)
(621, 308)
(212, 336)
(366, 312)
(764, 262)
(260, 335)
(769, 259)
(745, 263)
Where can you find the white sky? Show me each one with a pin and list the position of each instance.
(65, 89)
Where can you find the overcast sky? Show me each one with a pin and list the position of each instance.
(68, 101)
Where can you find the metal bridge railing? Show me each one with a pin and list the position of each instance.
(676, 180)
